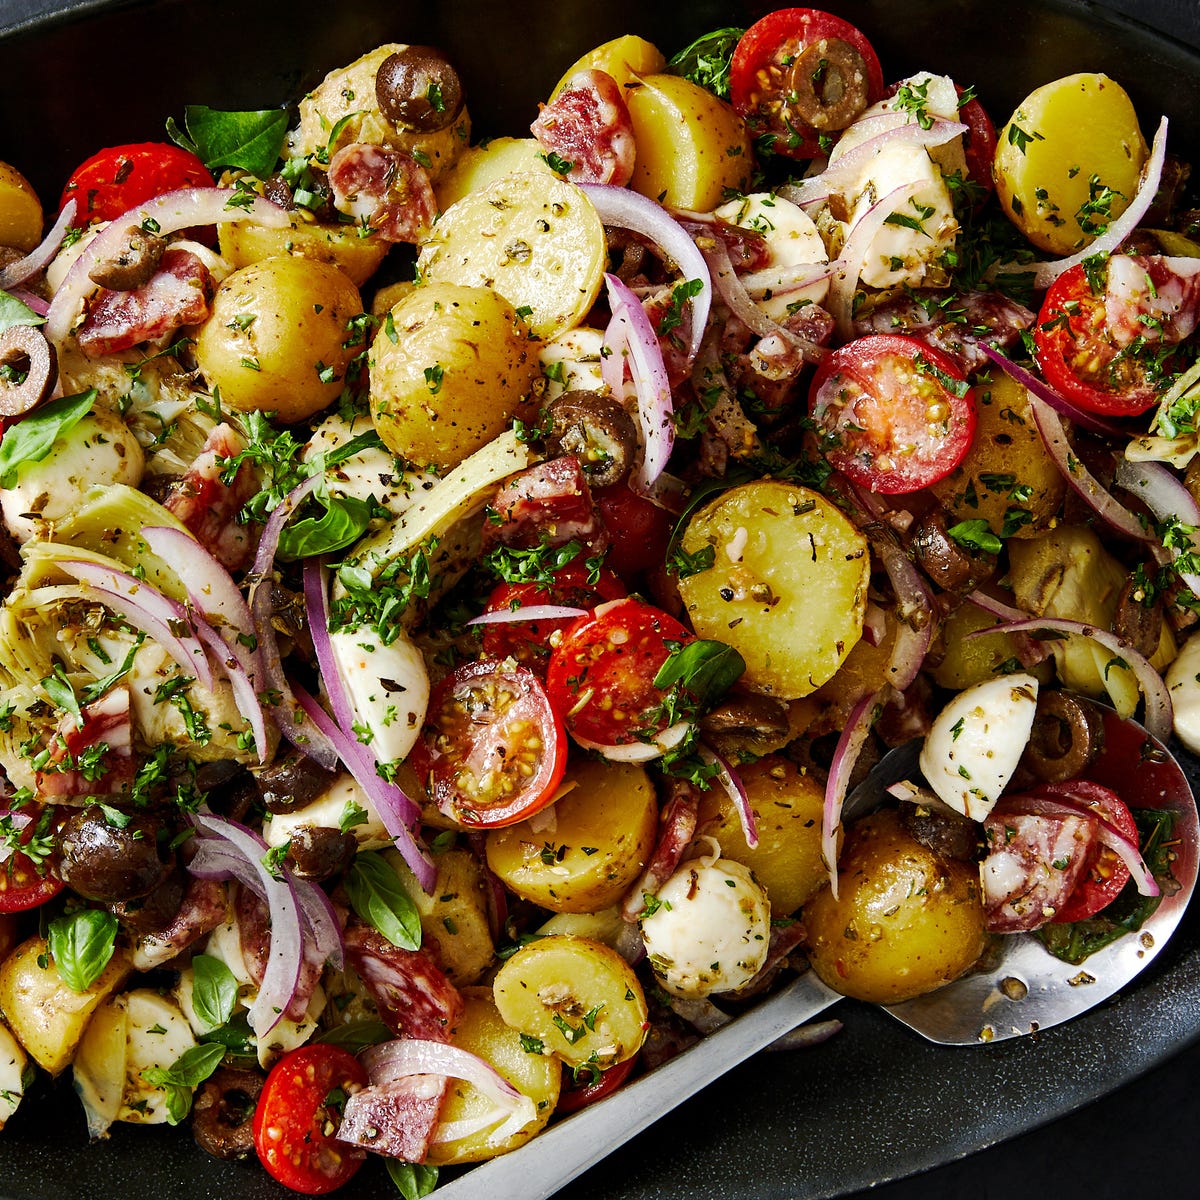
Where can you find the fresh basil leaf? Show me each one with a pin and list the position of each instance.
(704, 669)
(378, 897)
(976, 534)
(252, 141)
(183, 1076)
(14, 312)
(412, 1180)
(344, 521)
(214, 991)
(32, 438)
(356, 1035)
(706, 61)
(236, 1036)
(81, 944)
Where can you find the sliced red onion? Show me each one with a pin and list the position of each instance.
(914, 607)
(874, 624)
(847, 169)
(640, 752)
(1117, 231)
(847, 269)
(390, 1061)
(1043, 391)
(997, 608)
(656, 412)
(146, 608)
(1164, 494)
(20, 821)
(32, 302)
(700, 1013)
(782, 281)
(244, 695)
(1125, 848)
(529, 612)
(289, 714)
(282, 976)
(733, 292)
(732, 783)
(1158, 698)
(849, 746)
(630, 210)
(39, 257)
(390, 802)
(172, 211)
(1082, 481)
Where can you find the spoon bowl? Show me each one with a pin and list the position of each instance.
(1023, 989)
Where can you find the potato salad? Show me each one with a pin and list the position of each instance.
(452, 585)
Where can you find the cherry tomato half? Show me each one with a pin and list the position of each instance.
(979, 142)
(1078, 357)
(799, 74)
(1105, 874)
(892, 413)
(22, 884)
(112, 181)
(601, 675)
(492, 748)
(529, 641)
(638, 530)
(577, 1094)
(296, 1114)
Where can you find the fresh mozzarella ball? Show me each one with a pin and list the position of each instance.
(792, 241)
(12, 1074)
(344, 798)
(977, 740)
(1183, 682)
(99, 449)
(570, 362)
(711, 929)
(388, 687)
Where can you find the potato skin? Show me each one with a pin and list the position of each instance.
(450, 367)
(20, 210)
(906, 920)
(275, 341)
(342, 246)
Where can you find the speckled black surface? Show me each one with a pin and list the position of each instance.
(876, 1103)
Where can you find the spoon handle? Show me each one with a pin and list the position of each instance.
(557, 1155)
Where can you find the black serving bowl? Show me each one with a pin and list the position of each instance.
(876, 1102)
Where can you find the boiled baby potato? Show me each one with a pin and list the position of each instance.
(277, 337)
(534, 238)
(965, 655)
(906, 920)
(1007, 478)
(45, 1015)
(787, 586)
(479, 166)
(341, 245)
(20, 210)
(692, 149)
(1069, 160)
(626, 59)
(578, 997)
(482, 1031)
(344, 108)
(603, 834)
(787, 805)
(450, 367)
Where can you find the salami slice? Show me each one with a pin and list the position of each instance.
(550, 502)
(384, 190)
(677, 827)
(587, 125)
(398, 1118)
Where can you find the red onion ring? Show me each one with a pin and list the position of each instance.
(1154, 690)
(144, 607)
(529, 612)
(849, 745)
(172, 211)
(20, 820)
(729, 779)
(638, 752)
(1164, 495)
(39, 257)
(656, 409)
(630, 210)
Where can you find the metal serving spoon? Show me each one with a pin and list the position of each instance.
(1024, 990)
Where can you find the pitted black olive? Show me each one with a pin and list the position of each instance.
(223, 1112)
(292, 782)
(320, 852)
(827, 84)
(1067, 734)
(952, 567)
(1138, 623)
(30, 369)
(418, 89)
(597, 430)
(133, 264)
(110, 859)
(752, 716)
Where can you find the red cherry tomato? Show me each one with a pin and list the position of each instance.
(296, 1112)
(1106, 874)
(529, 641)
(979, 142)
(892, 413)
(23, 884)
(492, 749)
(1078, 357)
(601, 675)
(788, 70)
(114, 180)
(638, 529)
(576, 1094)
